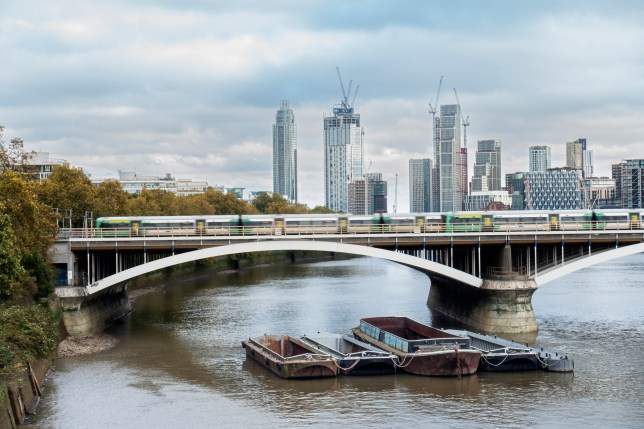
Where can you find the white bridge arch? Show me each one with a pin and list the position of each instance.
(287, 245)
(561, 270)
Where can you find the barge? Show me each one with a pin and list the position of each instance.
(499, 354)
(290, 357)
(421, 349)
(354, 357)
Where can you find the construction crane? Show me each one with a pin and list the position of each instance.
(432, 109)
(346, 94)
(466, 120)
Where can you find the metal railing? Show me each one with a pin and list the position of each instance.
(361, 229)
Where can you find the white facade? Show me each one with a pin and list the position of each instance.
(540, 158)
(478, 200)
(285, 153)
(43, 164)
(343, 156)
(133, 183)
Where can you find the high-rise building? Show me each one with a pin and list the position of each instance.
(464, 181)
(285, 153)
(420, 185)
(343, 155)
(617, 172)
(579, 157)
(540, 158)
(633, 184)
(447, 186)
(598, 193)
(487, 166)
(368, 195)
(554, 189)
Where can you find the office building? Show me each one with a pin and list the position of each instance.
(633, 184)
(598, 192)
(420, 185)
(285, 153)
(487, 166)
(481, 200)
(447, 183)
(343, 155)
(554, 189)
(540, 158)
(40, 165)
(134, 183)
(579, 157)
(368, 195)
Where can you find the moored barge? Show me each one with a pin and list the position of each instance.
(289, 357)
(499, 354)
(421, 349)
(354, 357)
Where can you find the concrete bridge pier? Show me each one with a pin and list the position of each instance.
(85, 314)
(503, 303)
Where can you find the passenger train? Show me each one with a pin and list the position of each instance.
(493, 221)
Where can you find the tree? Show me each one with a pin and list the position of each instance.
(11, 270)
(68, 188)
(154, 202)
(226, 204)
(13, 156)
(111, 200)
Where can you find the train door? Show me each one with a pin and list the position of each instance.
(488, 222)
(420, 224)
(200, 226)
(279, 226)
(554, 221)
(344, 221)
(634, 219)
(136, 224)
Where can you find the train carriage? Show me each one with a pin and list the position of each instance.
(317, 224)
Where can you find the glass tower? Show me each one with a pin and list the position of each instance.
(285, 153)
(448, 195)
(343, 155)
(487, 167)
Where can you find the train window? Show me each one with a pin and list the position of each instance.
(125, 224)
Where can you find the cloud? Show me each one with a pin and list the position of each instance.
(191, 88)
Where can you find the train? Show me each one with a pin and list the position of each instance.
(382, 223)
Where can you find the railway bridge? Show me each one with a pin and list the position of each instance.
(485, 279)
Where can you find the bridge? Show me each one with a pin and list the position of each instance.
(483, 278)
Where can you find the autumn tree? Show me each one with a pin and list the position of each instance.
(227, 203)
(154, 202)
(111, 200)
(68, 188)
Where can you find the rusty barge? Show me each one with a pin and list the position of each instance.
(421, 349)
(289, 357)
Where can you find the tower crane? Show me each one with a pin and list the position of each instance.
(346, 94)
(432, 109)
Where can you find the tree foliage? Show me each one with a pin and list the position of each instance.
(68, 188)
(13, 156)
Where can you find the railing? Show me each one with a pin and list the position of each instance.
(360, 229)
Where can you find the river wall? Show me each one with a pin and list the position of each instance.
(19, 398)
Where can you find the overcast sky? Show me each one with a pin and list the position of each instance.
(191, 87)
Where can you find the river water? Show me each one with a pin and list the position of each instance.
(180, 363)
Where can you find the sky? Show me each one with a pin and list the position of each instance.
(191, 88)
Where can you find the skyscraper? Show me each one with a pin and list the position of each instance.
(368, 195)
(343, 155)
(447, 189)
(285, 153)
(540, 158)
(487, 166)
(579, 157)
(420, 185)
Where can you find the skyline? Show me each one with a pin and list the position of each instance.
(192, 90)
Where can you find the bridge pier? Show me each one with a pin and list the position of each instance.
(503, 303)
(85, 314)
(498, 306)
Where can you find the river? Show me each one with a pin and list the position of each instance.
(180, 363)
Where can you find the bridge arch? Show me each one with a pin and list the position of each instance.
(429, 267)
(586, 261)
